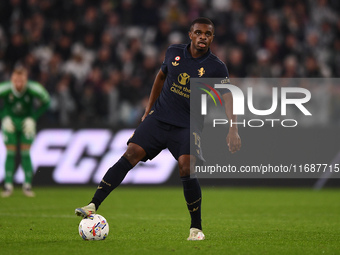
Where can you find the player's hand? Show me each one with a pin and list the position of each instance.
(144, 116)
(233, 141)
(7, 124)
(146, 113)
(28, 127)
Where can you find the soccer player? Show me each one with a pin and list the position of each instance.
(166, 121)
(18, 124)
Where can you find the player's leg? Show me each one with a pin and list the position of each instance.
(26, 139)
(26, 163)
(116, 174)
(179, 145)
(113, 177)
(10, 141)
(192, 194)
(9, 170)
(148, 140)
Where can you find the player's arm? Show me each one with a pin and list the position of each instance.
(42, 108)
(3, 93)
(233, 139)
(5, 88)
(155, 91)
(6, 121)
(41, 93)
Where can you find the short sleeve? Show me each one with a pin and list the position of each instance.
(223, 72)
(164, 66)
(39, 91)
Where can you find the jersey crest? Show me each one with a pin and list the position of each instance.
(201, 71)
(10, 97)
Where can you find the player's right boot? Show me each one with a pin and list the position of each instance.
(196, 235)
(27, 190)
(8, 190)
(86, 211)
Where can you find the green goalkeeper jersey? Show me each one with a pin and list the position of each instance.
(19, 105)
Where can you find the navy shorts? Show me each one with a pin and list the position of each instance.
(154, 135)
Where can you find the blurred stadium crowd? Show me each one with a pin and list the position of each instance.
(98, 59)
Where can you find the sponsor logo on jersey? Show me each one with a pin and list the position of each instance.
(175, 63)
(183, 78)
(17, 107)
(226, 80)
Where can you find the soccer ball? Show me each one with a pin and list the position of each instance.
(94, 227)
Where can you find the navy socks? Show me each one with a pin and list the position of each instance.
(111, 180)
(193, 197)
(116, 174)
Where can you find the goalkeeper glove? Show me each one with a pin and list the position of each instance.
(7, 124)
(28, 127)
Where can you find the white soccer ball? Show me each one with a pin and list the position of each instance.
(94, 227)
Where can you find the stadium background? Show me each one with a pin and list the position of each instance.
(98, 60)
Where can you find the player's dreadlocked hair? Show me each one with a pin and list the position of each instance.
(202, 20)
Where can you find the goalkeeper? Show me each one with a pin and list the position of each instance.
(18, 124)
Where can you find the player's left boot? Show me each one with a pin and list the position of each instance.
(196, 235)
(8, 191)
(27, 190)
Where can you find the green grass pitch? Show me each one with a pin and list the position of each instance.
(154, 220)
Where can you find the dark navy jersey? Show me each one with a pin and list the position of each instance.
(173, 104)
